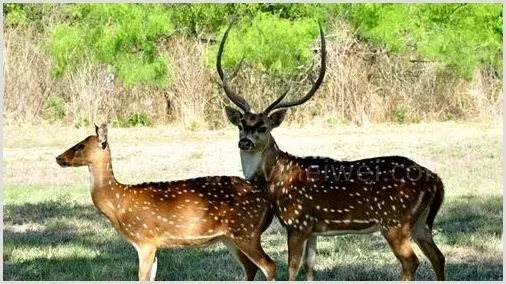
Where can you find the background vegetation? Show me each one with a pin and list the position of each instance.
(155, 63)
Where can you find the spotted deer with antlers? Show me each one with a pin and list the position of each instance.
(315, 196)
(177, 213)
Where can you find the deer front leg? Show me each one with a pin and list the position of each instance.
(310, 257)
(296, 244)
(147, 262)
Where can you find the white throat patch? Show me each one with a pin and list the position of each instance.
(250, 162)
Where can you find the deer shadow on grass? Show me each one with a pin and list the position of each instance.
(461, 220)
(43, 226)
(118, 261)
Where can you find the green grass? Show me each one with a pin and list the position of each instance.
(52, 231)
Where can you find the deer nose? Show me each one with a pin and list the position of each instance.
(245, 144)
(61, 161)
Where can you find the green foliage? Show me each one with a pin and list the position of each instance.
(400, 115)
(82, 121)
(29, 15)
(198, 19)
(268, 43)
(134, 119)
(15, 15)
(56, 109)
(123, 36)
(464, 36)
(194, 125)
(66, 46)
(274, 37)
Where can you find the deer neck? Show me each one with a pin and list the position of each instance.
(102, 176)
(257, 165)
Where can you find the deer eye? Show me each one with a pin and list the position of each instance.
(80, 147)
(262, 129)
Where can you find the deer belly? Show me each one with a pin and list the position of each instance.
(330, 231)
(186, 241)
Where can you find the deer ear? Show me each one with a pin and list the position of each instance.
(233, 115)
(102, 134)
(276, 118)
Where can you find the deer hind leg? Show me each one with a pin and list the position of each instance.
(400, 243)
(422, 235)
(147, 271)
(296, 247)
(310, 257)
(249, 268)
(253, 250)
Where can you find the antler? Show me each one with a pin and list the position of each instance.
(276, 104)
(273, 105)
(231, 94)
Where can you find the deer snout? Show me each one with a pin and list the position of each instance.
(62, 161)
(245, 144)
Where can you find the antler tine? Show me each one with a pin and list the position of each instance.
(231, 94)
(316, 84)
(271, 106)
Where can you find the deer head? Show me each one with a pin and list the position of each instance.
(91, 149)
(255, 128)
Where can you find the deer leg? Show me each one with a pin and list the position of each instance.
(153, 270)
(253, 250)
(399, 241)
(422, 235)
(435, 256)
(147, 271)
(249, 268)
(296, 243)
(310, 257)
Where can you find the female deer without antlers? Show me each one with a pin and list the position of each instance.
(177, 213)
(315, 196)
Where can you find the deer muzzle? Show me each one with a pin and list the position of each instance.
(62, 161)
(245, 144)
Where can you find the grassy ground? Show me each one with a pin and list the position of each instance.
(53, 232)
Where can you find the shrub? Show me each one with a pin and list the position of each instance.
(464, 36)
(123, 36)
(56, 109)
(135, 119)
(268, 43)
